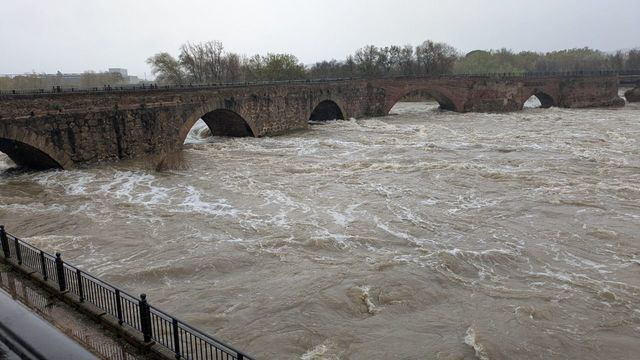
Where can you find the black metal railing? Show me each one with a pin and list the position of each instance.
(153, 87)
(184, 340)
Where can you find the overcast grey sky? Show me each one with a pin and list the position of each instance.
(77, 35)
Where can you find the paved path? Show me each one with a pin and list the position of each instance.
(29, 335)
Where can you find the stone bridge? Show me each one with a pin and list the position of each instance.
(67, 128)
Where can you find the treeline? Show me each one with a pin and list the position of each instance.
(208, 62)
(87, 79)
(585, 59)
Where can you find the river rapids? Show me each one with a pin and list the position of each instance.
(421, 235)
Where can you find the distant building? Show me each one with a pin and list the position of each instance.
(64, 80)
(71, 80)
(133, 80)
(125, 75)
(120, 71)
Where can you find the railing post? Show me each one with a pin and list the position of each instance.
(240, 356)
(145, 318)
(119, 306)
(16, 243)
(80, 288)
(5, 242)
(43, 266)
(62, 282)
(176, 338)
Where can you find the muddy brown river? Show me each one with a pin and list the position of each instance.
(421, 235)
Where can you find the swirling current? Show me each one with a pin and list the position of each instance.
(421, 235)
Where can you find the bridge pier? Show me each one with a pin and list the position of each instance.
(633, 95)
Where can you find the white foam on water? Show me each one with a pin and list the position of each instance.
(80, 186)
(194, 203)
(339, 218)
(416, 108)
(580, 262)
(396, 233)
(35, 208)
(481, 253)
(471, 202)
(342, 241)
(5, 162)
(320, 352)
(471, 339)
(372, 309)
(134, 187)
(283, 199)
(199, 133)
(561, 276)
(532, 103)
(343, 219)
(62, 243)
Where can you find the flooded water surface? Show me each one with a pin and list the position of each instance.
(421, 235)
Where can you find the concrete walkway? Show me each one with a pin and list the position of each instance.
(28, 335)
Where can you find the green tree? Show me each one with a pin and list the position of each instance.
(494, 61)
(166, 69)
(275, 67)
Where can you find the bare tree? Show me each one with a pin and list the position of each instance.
(436, 58)
(366, 60)
(212, 52)
(232, 67)
(633, 60)
(192, 59)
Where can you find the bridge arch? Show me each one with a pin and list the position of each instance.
(326, 110)
(444, 100)
(224, 122)
(546, 100)
(29, 150)
(221, 122)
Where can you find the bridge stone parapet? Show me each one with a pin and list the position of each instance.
(70, 128)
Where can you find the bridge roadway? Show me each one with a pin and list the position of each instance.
(66, 128)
